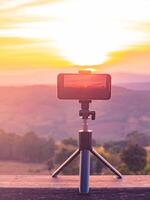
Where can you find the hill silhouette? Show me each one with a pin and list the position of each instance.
(36, 108)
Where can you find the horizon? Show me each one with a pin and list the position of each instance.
(32, 78)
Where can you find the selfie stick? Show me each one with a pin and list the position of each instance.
(85, 147)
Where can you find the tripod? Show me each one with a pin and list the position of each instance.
(85, 148)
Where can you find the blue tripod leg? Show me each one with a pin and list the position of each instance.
(84, 170)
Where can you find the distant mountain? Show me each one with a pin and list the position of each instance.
(36, 108)
(43, 77)
(136, 86)
(122, 77)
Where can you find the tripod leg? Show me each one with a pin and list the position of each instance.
(106, 163)
(84, 170)
(76, 153)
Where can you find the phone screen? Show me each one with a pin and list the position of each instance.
(85, 81)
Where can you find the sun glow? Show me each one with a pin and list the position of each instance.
(82, 32)
(86, 31)
(90, 29)
(90, 69)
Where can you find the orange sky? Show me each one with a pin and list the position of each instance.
(39, 35)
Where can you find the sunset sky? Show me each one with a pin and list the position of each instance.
(40, 38)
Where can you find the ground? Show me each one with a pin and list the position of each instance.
(20, 168)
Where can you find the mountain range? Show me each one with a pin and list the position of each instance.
(36, 108)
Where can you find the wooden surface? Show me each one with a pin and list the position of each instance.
(45, 181)
(66, 187)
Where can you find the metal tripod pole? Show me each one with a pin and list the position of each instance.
(66, 163)
(84, 164)
(106, 163)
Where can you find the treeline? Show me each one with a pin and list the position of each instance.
(26, 148)
(130, 156)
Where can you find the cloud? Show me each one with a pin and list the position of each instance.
(22, 53)
(41, 2)
(12, 22)
(135, 59)
(11, 12)
(8, 5)
(16, 41)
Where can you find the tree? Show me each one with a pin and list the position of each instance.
(135, 158)
(28, 148)
(136, 137)
(70, 141)
(63, 153)
(115, 146)
(50, 164)
(47, 149)
(9, 146)
(36, 149)
(96, 165)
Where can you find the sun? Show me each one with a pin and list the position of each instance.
(88, 30)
